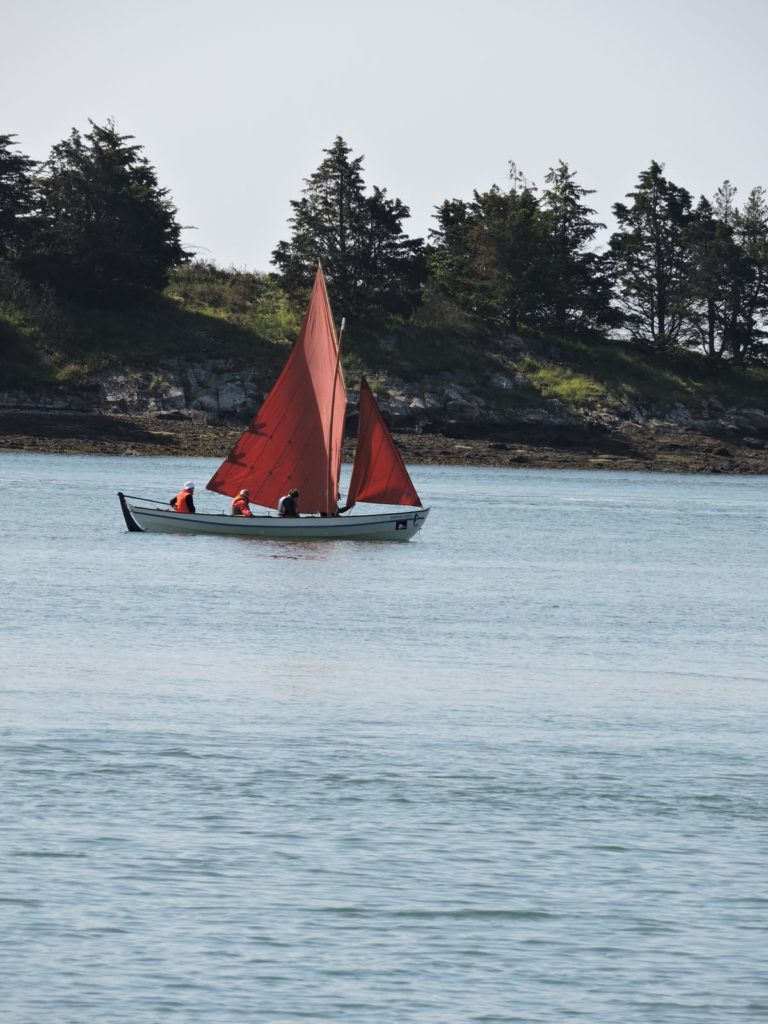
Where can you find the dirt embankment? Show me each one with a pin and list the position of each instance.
(631, 448)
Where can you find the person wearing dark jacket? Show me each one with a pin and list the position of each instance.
(183, 501)
(289, 504)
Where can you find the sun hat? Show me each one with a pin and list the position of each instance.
(189, 486)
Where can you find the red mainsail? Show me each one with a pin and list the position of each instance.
(378, 474)
(295, 438)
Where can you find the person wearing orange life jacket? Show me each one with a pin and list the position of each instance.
(183, 501)
(240, 505)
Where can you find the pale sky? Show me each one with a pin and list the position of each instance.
(235, 100)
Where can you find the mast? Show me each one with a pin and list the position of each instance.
(333, 406)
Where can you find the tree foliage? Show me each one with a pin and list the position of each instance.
(489, 255)
(716, 264)
(651, 260)
(105, 226)
(93, 222)
(371, 266)
(17, 199)
(729, 248)
(517, 259)
(751, 286)
(579, 287)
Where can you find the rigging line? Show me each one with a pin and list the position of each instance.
(157, 501)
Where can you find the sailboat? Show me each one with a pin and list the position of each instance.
(295, 441)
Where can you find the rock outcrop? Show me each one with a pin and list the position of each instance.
(436, 404)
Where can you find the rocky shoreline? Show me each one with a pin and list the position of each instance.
(628, 447)
(201, 409)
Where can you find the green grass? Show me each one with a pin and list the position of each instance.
(563, 383)
(248, 321)
(586, 372)
(47, 342)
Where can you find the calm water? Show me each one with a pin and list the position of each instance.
(515, 770)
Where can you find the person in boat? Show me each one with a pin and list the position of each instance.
(183, 502)
(289, 504)
(240, 503)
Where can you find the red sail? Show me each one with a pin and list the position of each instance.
(295, 438)
(378, 474)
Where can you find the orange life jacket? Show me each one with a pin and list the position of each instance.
(182, 501)
(240, 507)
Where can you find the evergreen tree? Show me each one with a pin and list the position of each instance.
(451, 256)
(710, 242)
(510, 257)
(751, 231)
(730, 274)
(732, 271)
(515, 259)
(651, 260)
(17, 199)
(718, 270)
(371, 266)
(490, 254)
(106, 225)
(579, 289)
(725, 208)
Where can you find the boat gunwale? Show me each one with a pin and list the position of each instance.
(245, 524)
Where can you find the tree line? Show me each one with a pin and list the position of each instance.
(92, 222)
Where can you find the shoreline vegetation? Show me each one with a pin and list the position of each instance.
(504, 339)
(634, 448)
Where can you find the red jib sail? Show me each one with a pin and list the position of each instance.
(378, 474)
(295, 438)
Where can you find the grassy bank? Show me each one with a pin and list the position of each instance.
(247, 320)
(242, 318)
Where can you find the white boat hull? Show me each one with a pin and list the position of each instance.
(402, 525)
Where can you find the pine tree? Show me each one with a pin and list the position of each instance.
(106, 225)
(371, 266)
(708, 239)
(451, 256)
(17, 200)
(751, 232)
(730, 274)
(489, 254)
(651, 260)
(509, 249)
(579, 289)
(717, 272)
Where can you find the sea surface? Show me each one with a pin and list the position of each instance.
(514, 770)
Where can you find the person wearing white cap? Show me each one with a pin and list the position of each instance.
(183, 501)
